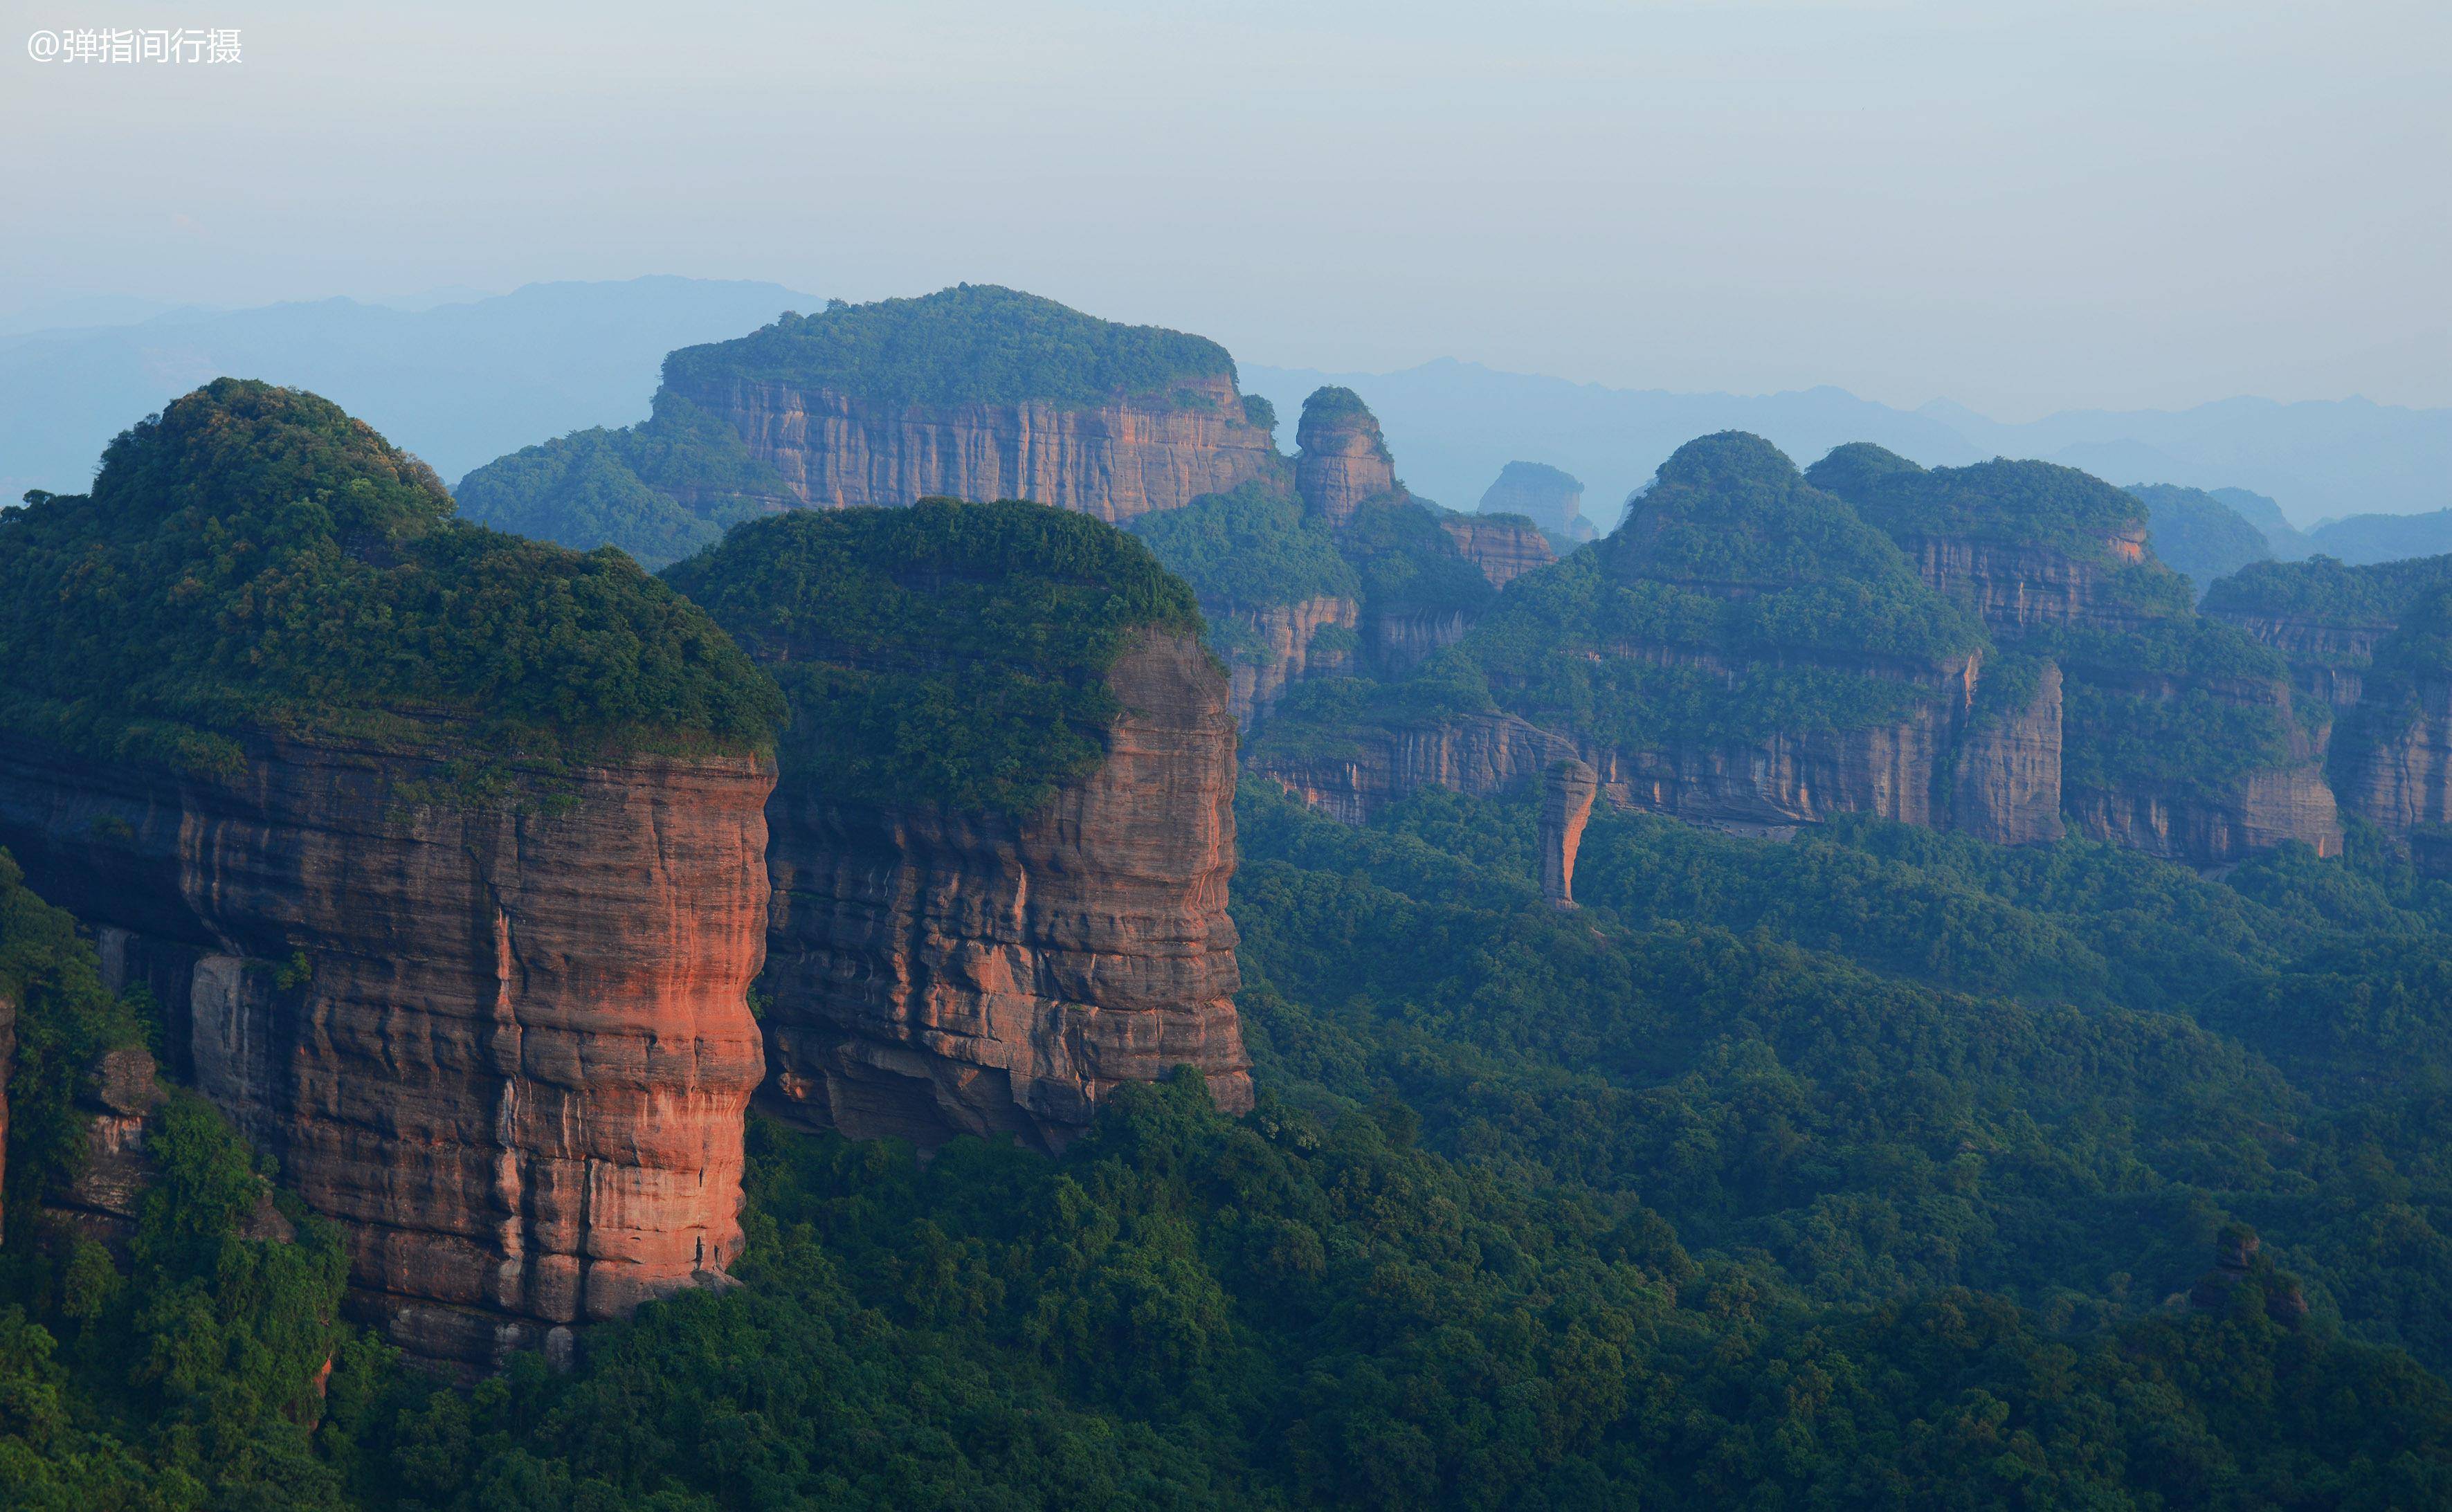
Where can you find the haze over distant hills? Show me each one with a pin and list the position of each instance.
(462, 382)
(1457, 424)
(458, 384)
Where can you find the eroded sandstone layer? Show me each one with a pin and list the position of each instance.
(1111, 460)
(1282, 650)
(935, 973)
(1567, 789)
(1503, 549)
(508, 1052)
(2006, 786)
(1343, 461)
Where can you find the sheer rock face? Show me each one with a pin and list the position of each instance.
(2393, 764)
(1113, 461)
(1503, 549)
(1399, 640)
(1344, 461)
(2328, 661)
(1567, 789)
(1884, 769)
(1282, 653)
(934, 973)
(2264, 808)
(2020, 588)
(2007, 785)
(508, 1053)
(1550, 498)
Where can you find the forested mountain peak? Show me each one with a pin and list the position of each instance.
(971, 343)
(253, 560)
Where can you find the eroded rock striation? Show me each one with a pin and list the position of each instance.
(2005, 784)
(1343, 461)
(1504, 549)
(1567, 791)
(1279, 645)
(981, 393)
(993, 943)
(437, 930)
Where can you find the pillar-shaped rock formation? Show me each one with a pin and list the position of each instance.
(510, 1052)
(1567, 789)
(1343, 461)
(937, 973)
(1003, 838)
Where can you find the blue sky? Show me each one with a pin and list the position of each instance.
(2022, 207)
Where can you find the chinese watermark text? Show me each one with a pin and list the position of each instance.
(134, 45)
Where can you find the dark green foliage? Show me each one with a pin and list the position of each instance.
(971, 343)
(1408, 563)
(185, 1373)
(2020, 501)
(1253, 548)
(626, 487)
(254, 560)
(65, 1021)
(2197, 535)
(1847, 1173)
(947, 653)
(1260, 412)
(2326, 591)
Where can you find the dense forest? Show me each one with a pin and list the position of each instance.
(1871, 1166)
(1875, 1169)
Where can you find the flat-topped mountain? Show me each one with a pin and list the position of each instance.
(1003, 838)
(974, 392)
(437, 847)
(1550, 497)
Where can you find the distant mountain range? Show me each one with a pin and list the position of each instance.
(1455, 424)
(463, 383)
(457, 384)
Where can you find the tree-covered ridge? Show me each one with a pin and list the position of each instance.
(2325, 590)
(945, 653)
(971, 343)
(2197, 535)
(1251, 548)
(2015, 502)
(659, 490)
(254, 560)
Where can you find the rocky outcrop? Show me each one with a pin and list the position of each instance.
(1550, 498)
(507, 1049)
(1503, 549)
(2020, 588)
(1398, 640)
(2262, 810)
(100, 1200)
(1111, 460)
(1567, 789)
(2329, 661)
(2006, 783)
(2393, 762)
(933, 974)
(1276, 648)
(1344, 460)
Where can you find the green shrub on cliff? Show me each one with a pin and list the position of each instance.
(628, 487)
(254, 560)
(947, 653)
(971, 343)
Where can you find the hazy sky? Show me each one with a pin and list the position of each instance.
(2019, 207)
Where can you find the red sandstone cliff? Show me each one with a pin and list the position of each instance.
(935, 973)
(2006, 782)
(508, 1052)
(1343, 459)
(1567, 792)
(1503, 549)
(1281, 648)
(1112, 461)
(2018, 588)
